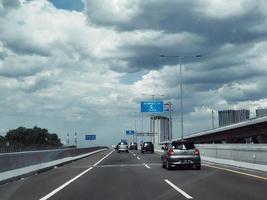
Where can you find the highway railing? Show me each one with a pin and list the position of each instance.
(251, 156)
(18, 147)
(248, 153)
(10, 161)
(19, 164)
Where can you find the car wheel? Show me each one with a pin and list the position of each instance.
(127, 151)
(198, 167)
(152, 151)
(118, 151)
(168, 165)
(163, 164)
(142, 151)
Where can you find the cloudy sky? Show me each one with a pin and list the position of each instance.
(84, 65)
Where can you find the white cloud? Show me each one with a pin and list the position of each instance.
(59, 67)
(112, 10)
(159, 38)
(222, 9)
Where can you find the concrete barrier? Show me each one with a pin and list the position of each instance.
(14, 165)
(251, 156)
(10, 161)
(251, 153)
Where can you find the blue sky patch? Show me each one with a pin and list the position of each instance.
(68, 4)
(131, 78)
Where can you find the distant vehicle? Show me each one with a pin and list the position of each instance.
(181, 153)
(122, 147)
(133, 145)
(147, 146)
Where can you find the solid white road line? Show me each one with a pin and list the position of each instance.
(103, 158)
(146, 165)
(73, 179)
(138, 158)
(235, 171)
(178, 189)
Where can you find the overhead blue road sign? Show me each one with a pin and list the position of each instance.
(152, 106)
(129, 132)
(90, 137)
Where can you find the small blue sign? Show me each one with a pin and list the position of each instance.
(90, 137)
(129, 132)
(152, 106)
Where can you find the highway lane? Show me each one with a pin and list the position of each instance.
(34, 187)
(212, 183)
(124, 176)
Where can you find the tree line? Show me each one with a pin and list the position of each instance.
(31, 136)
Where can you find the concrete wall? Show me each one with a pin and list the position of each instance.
(11, 161)
(251, 153)
(253, 156)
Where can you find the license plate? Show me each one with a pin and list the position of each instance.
(185, 161)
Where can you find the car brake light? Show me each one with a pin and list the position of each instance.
(197, 152)
(170, 152)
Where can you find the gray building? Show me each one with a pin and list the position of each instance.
(159, 125)
(227, 117)
(261, 112)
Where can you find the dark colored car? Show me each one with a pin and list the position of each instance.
(147, 146)
(181, 153)
(133, 145)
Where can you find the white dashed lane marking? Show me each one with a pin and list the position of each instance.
(178, 189)
(146, 166)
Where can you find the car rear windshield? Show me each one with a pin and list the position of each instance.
(181, 146)
(123, 143)
(148, 143)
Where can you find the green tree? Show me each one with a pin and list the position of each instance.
(2, 139)
(33, 135)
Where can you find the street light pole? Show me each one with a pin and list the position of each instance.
(181, 86)
(75, 136)
(68, 139)
(134, 136)
(212, 118)
(181, 100)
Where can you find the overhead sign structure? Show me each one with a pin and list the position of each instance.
(152, 106)
(130, 132)
(90, 137)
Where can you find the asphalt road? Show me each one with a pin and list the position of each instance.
(121, 176)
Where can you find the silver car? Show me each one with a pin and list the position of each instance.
(181, 153)
(122, 147)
